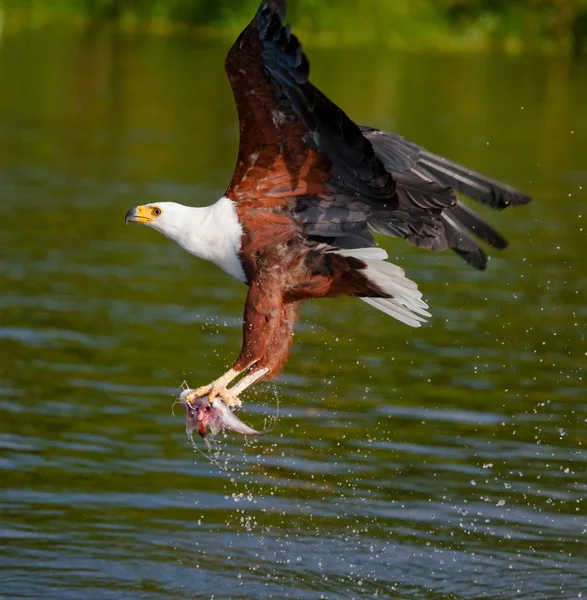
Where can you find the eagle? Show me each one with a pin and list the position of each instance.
(309, 190)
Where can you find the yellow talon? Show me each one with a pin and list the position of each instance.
(214, 391)
(230, 399)
(216, 388)
(198, 393)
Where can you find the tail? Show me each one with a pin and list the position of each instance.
(400, 297)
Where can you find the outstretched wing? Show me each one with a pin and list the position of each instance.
(406, 159)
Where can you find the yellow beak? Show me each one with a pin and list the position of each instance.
(138, 214)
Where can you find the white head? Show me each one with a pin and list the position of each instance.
(166, 217)
(211, 232)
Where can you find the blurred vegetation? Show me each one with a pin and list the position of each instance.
(512, 24)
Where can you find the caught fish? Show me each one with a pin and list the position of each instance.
(210, 418)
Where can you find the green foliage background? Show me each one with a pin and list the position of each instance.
(513, 24)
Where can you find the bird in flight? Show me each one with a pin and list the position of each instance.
(309, 190)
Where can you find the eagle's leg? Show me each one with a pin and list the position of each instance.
(263, 312)
(272, 362)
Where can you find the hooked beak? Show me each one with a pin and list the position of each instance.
(138, 214)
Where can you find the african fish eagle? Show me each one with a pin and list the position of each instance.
(309, 190)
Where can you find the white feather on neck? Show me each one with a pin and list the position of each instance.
(210, 232)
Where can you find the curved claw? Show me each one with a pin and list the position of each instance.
(215, 416)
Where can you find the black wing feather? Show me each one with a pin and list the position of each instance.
(403, 157)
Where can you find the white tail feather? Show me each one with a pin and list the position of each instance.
(362, 253)
(394, 310)
(406, 304)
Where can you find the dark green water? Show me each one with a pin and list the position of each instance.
(445, 462)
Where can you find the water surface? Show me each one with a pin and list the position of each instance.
(445, 462)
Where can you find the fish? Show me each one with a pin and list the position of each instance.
(213, 417)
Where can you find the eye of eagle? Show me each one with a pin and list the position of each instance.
(156, 211)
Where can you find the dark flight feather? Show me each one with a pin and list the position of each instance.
(402, 157)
